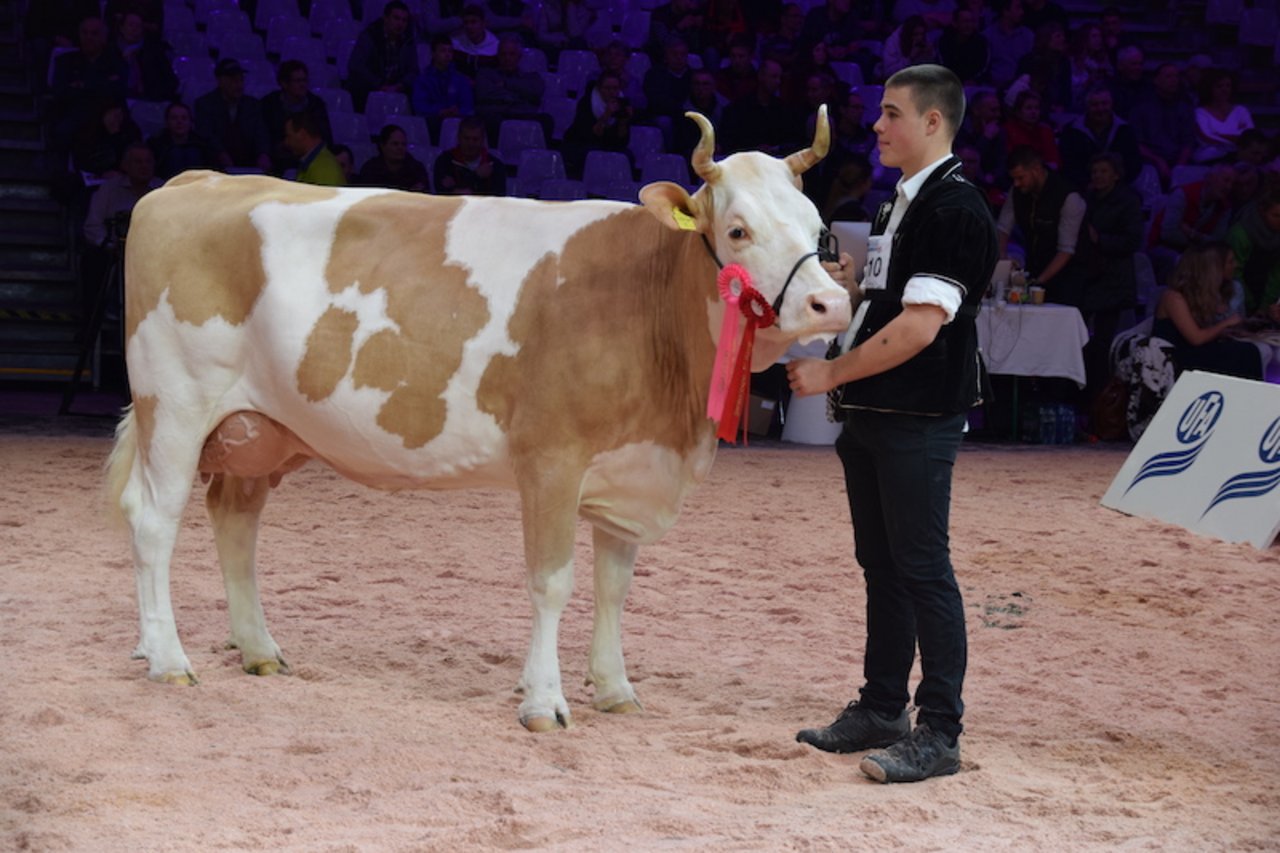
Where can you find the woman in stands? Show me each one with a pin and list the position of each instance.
(1219, 119)
(394, 166)
(1193, 315)
(1024, 127)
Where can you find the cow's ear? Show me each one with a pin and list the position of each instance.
(672, 205)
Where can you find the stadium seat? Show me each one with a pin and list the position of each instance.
(348, 128)
(415, 127)
(178, 19)
(848, 72)
(561, 111)
(664, 167)
(1180, 176)
(562, 190)
(202, 9)
(149, 116)
(628, 191)
(448, 133)
(645, 140)
(334, 32)
(187, 43)
(537, 165)
(282, 28)
(336, 100)
(246, 46)
(638, 64)
(1147, 184)
(533, 59)
(311, 52)
(268, 9)
(581, 62)
(603, 170)
(323, 12)
(515, 135)
(635, 29)
(380, 105)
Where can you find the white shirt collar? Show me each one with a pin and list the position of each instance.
(910, 187)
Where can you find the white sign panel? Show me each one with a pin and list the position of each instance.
(1209, 461)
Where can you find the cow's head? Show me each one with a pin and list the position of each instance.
(752, 211)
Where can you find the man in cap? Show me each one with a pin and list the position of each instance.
(232, 120)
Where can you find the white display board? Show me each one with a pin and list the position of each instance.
(1209, 461)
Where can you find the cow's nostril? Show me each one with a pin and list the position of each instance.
(819, 308)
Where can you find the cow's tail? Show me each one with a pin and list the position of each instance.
(120, 465)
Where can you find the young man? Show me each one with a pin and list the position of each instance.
(906, 373)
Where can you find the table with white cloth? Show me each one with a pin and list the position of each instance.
(1033, 340)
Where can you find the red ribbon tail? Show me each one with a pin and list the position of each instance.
(739, 389)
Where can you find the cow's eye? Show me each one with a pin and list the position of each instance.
(737, 233)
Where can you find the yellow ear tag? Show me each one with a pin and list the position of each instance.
(683, 220)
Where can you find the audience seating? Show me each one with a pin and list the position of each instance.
(664, 167)
(187, 43)
(562, 190)
(415, 127)
(1258, 27)
(577, 62)
(246, 47)
(537, 165)
(334, 32)
(849, 72)
(326, 12)
(203, 8)
(268, 9)
(311, 52)
(348, 128)
(638, 64)
(281, 29)
(1147, 185)
(336, 100)
(149, 116)
(645, 140)
(178, 19)
(381, 105)
(515, 135)
(604, 169)
(635, 29)
(448, 133)
(561, 111)
(1180, 176)
(533, 59)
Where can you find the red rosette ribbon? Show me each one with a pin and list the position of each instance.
(731, 375)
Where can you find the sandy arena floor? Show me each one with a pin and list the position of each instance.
(1123, 693)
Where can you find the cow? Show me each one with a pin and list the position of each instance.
(563, 349)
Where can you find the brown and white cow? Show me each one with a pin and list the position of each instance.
(561, 349)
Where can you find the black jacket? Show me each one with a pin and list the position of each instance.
(947, 232)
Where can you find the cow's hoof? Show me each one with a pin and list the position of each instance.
(538, 725)
(271, 666)
(629, 706)
(185, 679)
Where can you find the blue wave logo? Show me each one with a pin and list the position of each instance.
(1253, 484)
(1194, 429)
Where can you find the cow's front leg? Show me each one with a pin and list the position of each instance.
(614, 563)
(548, 509)
(235, 507)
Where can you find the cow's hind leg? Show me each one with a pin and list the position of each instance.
(614, 563)
(549, 511)
(235, 506)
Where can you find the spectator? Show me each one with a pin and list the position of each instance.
(469, 168)
(1114, 38)
(1219, 120)
(1111, 236)
(394, 166)
(506, 92)
(762, 122)
(232, 121)
(1255, 148)
(666, 88)
(908, 45)
(1037, 13)
(1193, 316)
(614, 58)
(1009, 42)
(441, 90)
(738, 78)
(971, 168)
(705, 99)
(983, 131)
(1047, 69)
(294, 96)
(1024, 128)
(836, 25)
(851, 132)
(509, 16)
(177, 148)
(796, 79)
(100, 144)
(1255, 244)
(1197, 213)
(1098, 130)
(676, 19)
(1090, 63)
(150, 74)
(1245, 188)
(1047, 213)
(1164, 124)
(474, 46)
(785, 45)
(384, 58)
(562, 24)
(83, 79)
(602, 123)
(936, 14)
(965, 50)
(846, 197)
(346, 161)
(439, 17)
(316, 163)
(119, 193)
(1129, 86)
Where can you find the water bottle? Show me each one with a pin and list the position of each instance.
(1066, 424)
(1048, 425)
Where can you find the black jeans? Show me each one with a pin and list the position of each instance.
(897, 472)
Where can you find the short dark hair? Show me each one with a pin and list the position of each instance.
(1116, 161)
(176, 105)
(286, 69)
(475, 10)
(384, 135)
(471, 123)
(395, 6)
(1024, 157)
(305, 121)
(933, 87)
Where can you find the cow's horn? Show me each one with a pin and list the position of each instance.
(802, 161)
(703, 165)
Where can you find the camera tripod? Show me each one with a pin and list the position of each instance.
(111, 286)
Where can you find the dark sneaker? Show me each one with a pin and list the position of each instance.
(921, 754)
(857, 729)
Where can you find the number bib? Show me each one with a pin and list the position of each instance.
(875, 275)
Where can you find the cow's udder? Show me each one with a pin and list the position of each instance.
(250, 445)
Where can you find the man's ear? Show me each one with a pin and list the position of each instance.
(673, 206)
